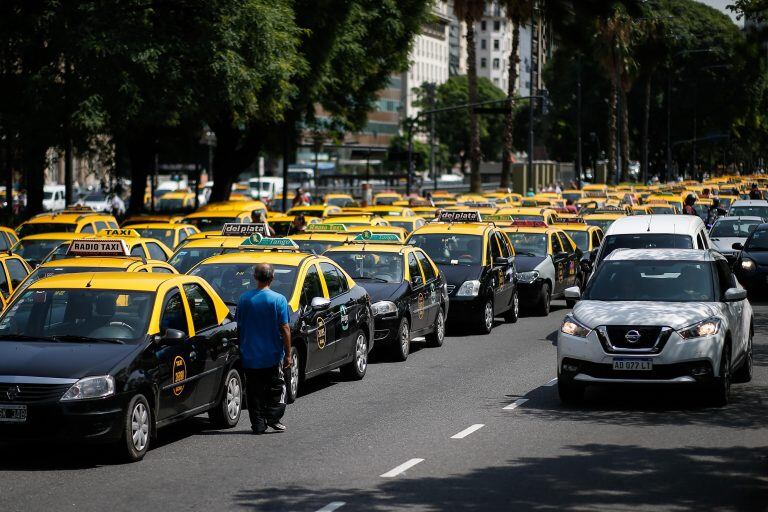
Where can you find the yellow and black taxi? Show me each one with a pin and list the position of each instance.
(318, 238)
(588, 239)
(409, 224)
(202, 246)
(8, 239)
(478, 263)
(212, 221)
(71, 220)
(386, 198)
(547, 263)
(407, 290)
(315, 210)
(147, 248)
(330, 315)
(546, 215)
(35, 248)
(179, 201)
(340, 200)
(13, 271)
(169, 234)
(604, 217)
(111, 357)
(95, 255)
(358, 219)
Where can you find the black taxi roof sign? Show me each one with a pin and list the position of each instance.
(123, 233)
(98, 247)
(452, 216)
(245, 229)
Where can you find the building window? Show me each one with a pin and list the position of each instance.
(483, 63)
(483, 44)
(495, 63)
(482, 25)
(495, 44)
(496, 26)
(495, 81)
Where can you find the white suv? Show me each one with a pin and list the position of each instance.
(657, 316)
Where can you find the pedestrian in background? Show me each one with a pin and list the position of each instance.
(265, 347)
(754, 192)
(688, 208)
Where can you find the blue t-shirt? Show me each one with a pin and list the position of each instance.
(260, 314)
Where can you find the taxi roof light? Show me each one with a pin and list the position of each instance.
(256, 241)
(459, 216)
(369, 237)
(96, 247)
(122, 233)
(325, 228)
(244, 229)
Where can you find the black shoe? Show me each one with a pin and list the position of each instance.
(278, 427)
(258, 432)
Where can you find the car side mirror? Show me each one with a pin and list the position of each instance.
(320, 303)
(417, 281)
(500, 261)
(172, 337)
(738, 246)
(573, 293)
(734, 295)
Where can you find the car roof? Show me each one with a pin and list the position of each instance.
(739, 217)
(750, 202)
(94, 261)
(371, 247)
(460, 228)
(292, 259)
(135, 281)
(663, 255)
(675, 224)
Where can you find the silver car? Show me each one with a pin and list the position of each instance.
(657, 316)
(727, 231)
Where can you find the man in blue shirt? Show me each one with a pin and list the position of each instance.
(265, 347)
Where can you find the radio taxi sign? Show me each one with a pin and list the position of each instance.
(247, 229)
(98, 247)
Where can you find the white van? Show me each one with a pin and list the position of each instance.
(655, 232)
(53, 197)
(265, 188)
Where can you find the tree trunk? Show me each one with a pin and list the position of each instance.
(141, 155)
(233, 154)
(646, 122)
(612, 126)
(474, 127)
(33, 167)
(509, 121)
(624, 135)
(8, 165)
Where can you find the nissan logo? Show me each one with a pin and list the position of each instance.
(632, 336)
(13, 392)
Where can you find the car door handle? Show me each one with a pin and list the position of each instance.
(193, 356)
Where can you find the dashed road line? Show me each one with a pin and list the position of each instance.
(464, 433)
(514, 405)
(334, 505)
(405, 466)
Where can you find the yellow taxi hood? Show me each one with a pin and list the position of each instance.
(145, 282)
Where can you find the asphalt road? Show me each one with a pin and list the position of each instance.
(447, 415)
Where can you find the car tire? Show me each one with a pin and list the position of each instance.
(485, 318)
(513, 314)
(137, 429)
(293, 377)
(721, 388)
(227, 412)
(437, 336)
(744, 373)
(545, 300)
(355, 370)
(402, 343)
(570, 391)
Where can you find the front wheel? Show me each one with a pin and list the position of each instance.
(545, 299)
(137, 426)
(485, 318)
(293, 378)
(227, 413)
(513, 314)
(721, 389)
(437, 336)
(744, 373)
(356, 369)
(402, 345)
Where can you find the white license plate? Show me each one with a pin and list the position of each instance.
(13, 413)
(632, 364)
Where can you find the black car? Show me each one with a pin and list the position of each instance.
(111, 357)
(478, 263)
(408, 292)
(751, 266)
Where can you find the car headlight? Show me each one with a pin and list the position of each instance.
(573, 327)
(748, 264)
(383, 307)
(469, 289)
(528, 277)
(91, 387)
(708, 327)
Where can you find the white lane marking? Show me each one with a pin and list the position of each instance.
(405, 466)
(552, 382)
(464, 433)
(334, 505)
(517, 403)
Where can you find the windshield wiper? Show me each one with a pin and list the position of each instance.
(525, 254)
(86, 339)
(371, 278)
(26, 337)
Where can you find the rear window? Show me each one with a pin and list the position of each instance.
(644, 241)
(46, 227)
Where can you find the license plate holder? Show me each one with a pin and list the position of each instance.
(632, 364)
(13, 413)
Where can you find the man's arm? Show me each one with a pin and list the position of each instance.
(285, 330)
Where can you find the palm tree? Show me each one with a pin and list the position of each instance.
(519, 13)
(470, 11)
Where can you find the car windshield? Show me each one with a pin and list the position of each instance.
(663, 281)
(210, 223)
(530, 244)
(376, 266)
(603, 224)
(450, 249)
(758, 241)
(74, 313)
(186, 257)
(231, 280)
(733, 228)
(164, 235)
(581, 238)
(339, 201)
(95, 198)
(749, 211)
(405, 224)
(34, 250)
(59, 253)
(39, 228)
(43, 272)
(644, 241)
(47, 195)
(316, 246)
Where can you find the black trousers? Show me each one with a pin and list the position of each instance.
(265, 388)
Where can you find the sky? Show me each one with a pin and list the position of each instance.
(720, 4)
